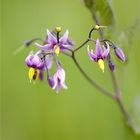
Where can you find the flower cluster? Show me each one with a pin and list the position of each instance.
(42, 61)
(103, 53)
(56, 43)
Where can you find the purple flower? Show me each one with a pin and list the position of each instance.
(100, 55)
(119, 53)
(36, 66)
(34, 61)
(55, 45)
(59, 79)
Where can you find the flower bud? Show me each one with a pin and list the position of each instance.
(97, 27)
(119, 53)
(58, 29)
(111, 65)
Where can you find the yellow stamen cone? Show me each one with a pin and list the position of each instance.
(31, 73)
(101, 64)
(57, 49)
(37, 74)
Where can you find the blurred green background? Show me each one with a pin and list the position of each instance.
(35, 112)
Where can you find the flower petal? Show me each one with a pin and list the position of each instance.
(28, 60)
(65, 47)
(59, 86)
(106, 51)
(64, 38)
(92, 56)
(51, 38)
(98, 48)
(36, 60)
(61, 74)
(44, 47)
(55, 81)
(48, 61)
(70, 42)
(64, 86)
(51, 82)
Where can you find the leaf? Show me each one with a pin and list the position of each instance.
(101, 11)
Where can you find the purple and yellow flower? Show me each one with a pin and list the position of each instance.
(100, 55)
(55, 44)
(36, 66)
(59, 79)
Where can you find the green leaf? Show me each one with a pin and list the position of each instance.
(101, 11)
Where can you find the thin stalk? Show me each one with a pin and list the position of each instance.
(119, 101)
(116, 87)
(81, 45)
(96, 85)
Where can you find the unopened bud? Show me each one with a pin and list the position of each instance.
(111, 65)
(97, 27)
(119, 53)
(58, 29)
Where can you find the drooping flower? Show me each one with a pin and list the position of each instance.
(59, 79)
(119, 53)
(100, 55)
(36, 66)
(55, 44)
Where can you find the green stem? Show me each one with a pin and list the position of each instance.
(96, 85)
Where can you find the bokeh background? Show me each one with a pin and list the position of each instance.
(35, 112)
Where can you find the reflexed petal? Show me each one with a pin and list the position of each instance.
(51, 38)
(98, 48)
(55, 81)
(41, 65)
(59, 86)
(28, 60)
(36, 60)
(51, 82)
(64, 38)
(64, 86)
(61, 74)
(91, 54)
(44, 47)
(70, 42)
(106, 51)
(65, 47)
(59, 79)
(48, 61)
